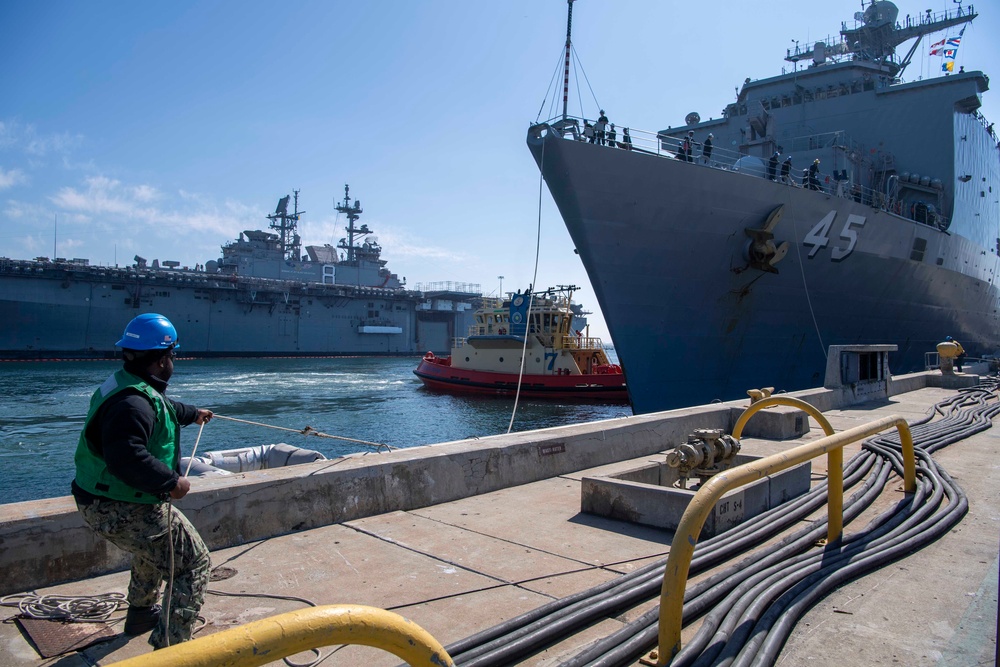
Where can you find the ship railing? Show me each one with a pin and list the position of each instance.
(932, 362)
(451, 286)
(666, 145)
(582, 342)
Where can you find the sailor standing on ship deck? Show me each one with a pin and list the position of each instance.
(128, 469)
(814, 175)
(772, 166)
(601, 127)
(786, 170)
(706, 149)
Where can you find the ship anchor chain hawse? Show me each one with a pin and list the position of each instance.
(841, 202)
(761, 252)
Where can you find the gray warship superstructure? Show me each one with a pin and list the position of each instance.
(717, 273)
(261, 298)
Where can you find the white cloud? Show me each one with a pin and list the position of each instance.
(27, 139)
(6, 135)
(401, 245)
(11, 177)
(145, 193)
(20, 210)
(113, 202)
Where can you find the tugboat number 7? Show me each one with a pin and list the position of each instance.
(527, 339)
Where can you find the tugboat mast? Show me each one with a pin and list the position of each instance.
(352, 213)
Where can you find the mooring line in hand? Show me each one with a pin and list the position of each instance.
(309, 430)
(193, 451)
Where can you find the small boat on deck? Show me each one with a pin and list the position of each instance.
(527, 340)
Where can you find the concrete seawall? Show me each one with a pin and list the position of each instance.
(46, 542)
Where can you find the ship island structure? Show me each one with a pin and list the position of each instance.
(884, 228)
(263, 297)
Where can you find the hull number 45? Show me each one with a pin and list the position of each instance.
(819, 236)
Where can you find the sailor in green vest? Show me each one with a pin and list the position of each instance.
(128, 469)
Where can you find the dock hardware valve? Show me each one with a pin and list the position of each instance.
(707, 452)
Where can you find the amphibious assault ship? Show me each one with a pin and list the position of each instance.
(263, 297)
(752, 272)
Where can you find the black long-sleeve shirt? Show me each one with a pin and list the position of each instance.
(119, 433)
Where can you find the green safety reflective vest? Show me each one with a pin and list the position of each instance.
(92, 474)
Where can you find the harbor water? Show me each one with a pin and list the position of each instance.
(375, 399)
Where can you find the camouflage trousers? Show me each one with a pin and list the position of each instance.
(143, 530)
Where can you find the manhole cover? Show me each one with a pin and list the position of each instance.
(220, 573)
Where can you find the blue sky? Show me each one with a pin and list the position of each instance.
(164, 129)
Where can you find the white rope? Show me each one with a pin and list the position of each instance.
(308, 430)
(196, 441)
(531, 297)
(805, 287)
(170, 579)
(80, 609)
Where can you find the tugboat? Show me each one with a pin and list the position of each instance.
(528, 341)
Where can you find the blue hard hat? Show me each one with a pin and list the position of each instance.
(149, 331)
(948, 338)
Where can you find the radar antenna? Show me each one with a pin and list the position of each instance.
(352, 213)
(286, 224)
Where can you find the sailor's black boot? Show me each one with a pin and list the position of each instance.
(141, 619)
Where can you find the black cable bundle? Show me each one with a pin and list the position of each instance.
(751, 607)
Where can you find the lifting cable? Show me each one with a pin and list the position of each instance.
(750, 608)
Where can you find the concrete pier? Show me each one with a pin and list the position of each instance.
(460, 536)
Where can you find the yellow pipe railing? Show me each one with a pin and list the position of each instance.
(834, 458)
(689, 528)
(274, 638)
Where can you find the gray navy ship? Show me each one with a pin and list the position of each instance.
(263, 297)
(718, 270)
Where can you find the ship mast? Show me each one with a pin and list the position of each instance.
(352, 213)
(877, 32)
(286, 225)
(569, 33)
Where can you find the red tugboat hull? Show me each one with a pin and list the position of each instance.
(438, 374)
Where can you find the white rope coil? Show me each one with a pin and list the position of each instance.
(80, 609)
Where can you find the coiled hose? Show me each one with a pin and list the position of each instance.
(751, 607)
